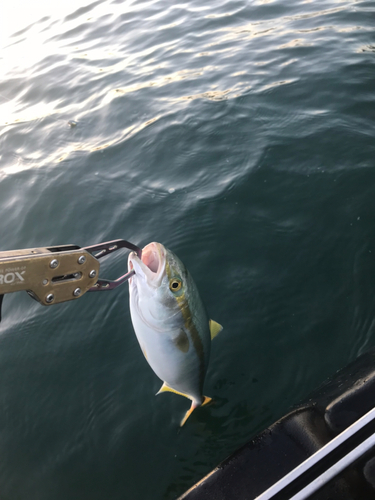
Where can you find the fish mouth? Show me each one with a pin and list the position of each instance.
(151, 266)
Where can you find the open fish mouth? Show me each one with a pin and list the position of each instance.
(152, 264)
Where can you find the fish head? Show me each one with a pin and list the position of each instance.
(159, 284)
(149, 269)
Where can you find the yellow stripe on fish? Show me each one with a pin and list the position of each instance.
(183, 303)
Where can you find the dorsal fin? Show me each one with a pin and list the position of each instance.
(215, 328)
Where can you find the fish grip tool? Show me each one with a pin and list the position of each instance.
(104, 249)
(57, 274)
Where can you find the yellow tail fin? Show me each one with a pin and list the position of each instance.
(206, 400)
(187, 415)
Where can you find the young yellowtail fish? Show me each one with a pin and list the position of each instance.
(171, 323)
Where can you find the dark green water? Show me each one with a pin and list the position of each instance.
(240, 135)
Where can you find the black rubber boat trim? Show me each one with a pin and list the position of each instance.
(326, 463)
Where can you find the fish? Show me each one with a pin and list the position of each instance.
(171, 322)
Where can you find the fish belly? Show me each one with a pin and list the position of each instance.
(180, 370)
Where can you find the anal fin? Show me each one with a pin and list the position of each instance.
(165, 388)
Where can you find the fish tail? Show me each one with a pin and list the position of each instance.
(194, 405)
(206, 400)
(188, 413)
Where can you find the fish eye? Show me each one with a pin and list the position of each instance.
(175, 285)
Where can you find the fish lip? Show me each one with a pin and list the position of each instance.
(153, 254)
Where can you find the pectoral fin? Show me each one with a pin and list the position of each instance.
(181, 341)
(215, 328)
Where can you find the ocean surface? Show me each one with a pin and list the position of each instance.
(240, 135)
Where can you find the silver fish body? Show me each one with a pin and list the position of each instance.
(170, 322)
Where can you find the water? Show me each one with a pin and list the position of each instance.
(240, 135)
